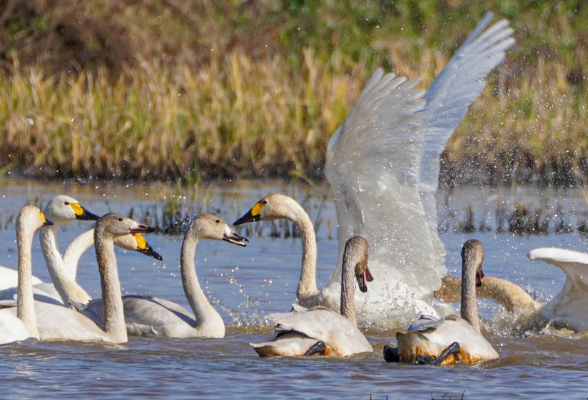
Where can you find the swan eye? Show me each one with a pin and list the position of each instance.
(217, 221)
(120, 219)
(67, 203)
(265, 202)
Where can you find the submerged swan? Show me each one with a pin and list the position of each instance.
(24, 324)
(56, 322)
(453, 339)
(383, 165)
(304, 332)
(151, 316)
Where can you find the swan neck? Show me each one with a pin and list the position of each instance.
(62, 279)
(469, 308)
(25, 304)
(348, 289)
(74, 251)
(307, 282)
(208, 320)
(114, 321)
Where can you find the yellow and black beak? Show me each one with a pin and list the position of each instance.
(83, 214)
(144, 248)
(252, 215)
(46, 222)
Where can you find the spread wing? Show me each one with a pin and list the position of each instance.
(372, 166)
(448, 99)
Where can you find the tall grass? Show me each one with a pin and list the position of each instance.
(239, 117)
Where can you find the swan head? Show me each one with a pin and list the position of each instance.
(209, 226)
(136, 242)
(472, 256)
(357, 251)
(63, 209)
(32, 217)
(271, 207)
(116, 224)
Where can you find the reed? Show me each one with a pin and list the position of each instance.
(179, 92)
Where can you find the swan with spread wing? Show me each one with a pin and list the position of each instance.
(382, 164)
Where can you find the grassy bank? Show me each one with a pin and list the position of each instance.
(193, 91)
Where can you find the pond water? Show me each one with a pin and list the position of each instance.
(247, 283)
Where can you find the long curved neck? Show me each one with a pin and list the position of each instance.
(74, 251)
(469, 308)
(114, 320)
(348, 310)
(208, 320)
(509, 295)
(25, 305)
(307, 282)
(65, 285)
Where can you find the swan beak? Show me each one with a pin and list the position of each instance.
(144, 248)
(83, 214)
(248, 217)
(233, 237)
(363, 279)
(46, 222)
(141, 228)
(479, 276)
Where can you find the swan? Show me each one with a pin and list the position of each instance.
(56, 322)
(62, 210)
(382, 165)
(304, 332)
(453, 339)
(567, 309)
(151, 316)
(279, 206)
(24, 324)
(46, 291)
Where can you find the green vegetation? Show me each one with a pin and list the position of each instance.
(202, 90)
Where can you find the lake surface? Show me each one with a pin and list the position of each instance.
(247, 283)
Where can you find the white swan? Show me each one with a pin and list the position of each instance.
(24, 324)
(56, 322)
(63, 210)
(151, 316)
(318, 329)
(383, 166)
(431, 337)
(279, 206)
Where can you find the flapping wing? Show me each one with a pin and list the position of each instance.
(449, 97)
(372, 166)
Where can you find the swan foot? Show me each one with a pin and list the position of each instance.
(391, 354)
(318, 347)
(424, 359)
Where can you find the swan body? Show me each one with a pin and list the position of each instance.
(9, 278)
(429, 336)
(40, 320)
(382, 165)
(152, 316)
(301, 329)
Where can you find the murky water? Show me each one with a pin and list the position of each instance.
(247, 283)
